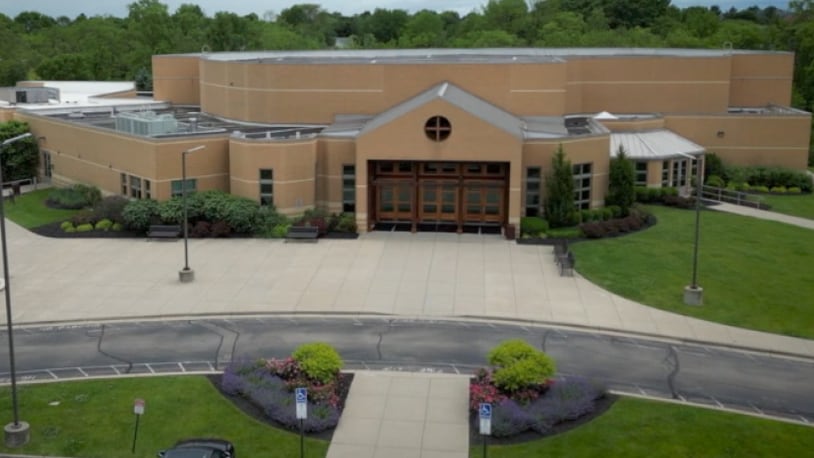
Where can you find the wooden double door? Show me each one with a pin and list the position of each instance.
(426, 194)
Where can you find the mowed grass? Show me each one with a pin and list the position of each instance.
(29, 210)
(637, 428)
(94, 419)
(756, 274)
(801, 205)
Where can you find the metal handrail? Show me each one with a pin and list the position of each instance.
(731, 197)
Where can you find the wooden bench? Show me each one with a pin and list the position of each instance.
(164, 231)
(302, 233)
(567, 263)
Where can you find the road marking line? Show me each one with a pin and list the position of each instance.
(84, 374)
(52, 374)
(150, 368)
(116, 370)
(181, 366)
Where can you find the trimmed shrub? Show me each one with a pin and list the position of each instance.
(116, 227)
(91, 194)
(759, 189)
(594, 230)
(607, 213)
(83, 217)
(794, 190)
(715, 181)
(65, 225)
(67, 198)
(533, 226)
(616, 211)
(221, 229)
(319, 361)
(172, 211)
(84, 227)
(111, 208)
(779, 189)
(201, 229)
(139, 214)
(518, 365)
(104, 225)
(565, 233)
(70, 229)
(346, 223)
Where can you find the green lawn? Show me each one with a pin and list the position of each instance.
(756, 274)
(94, 419)
(637, 428)
(801, 205)
(29, 210)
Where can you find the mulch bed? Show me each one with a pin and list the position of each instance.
(55, 231)
(253, 410)
(602, 405)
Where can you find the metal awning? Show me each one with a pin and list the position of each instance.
(653, 145)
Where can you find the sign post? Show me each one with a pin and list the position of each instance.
(301, 398)
(138, 409)
(485, 414)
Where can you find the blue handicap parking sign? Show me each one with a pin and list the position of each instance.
(485, 411)
(301, 395)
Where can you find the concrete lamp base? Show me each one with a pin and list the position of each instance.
(17, 435)
(186, 275)
(693, 295)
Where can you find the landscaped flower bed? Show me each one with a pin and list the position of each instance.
(526, 398)
(270, 384)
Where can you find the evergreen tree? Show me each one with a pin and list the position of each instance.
(622, 181)
(559, 201)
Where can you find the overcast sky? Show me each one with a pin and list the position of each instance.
(73, 8)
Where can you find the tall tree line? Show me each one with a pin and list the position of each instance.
(37, 46)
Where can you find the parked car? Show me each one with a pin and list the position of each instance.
(200, 448)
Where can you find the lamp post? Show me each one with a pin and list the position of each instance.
(186, 274)
(17, 433)
(693, 293)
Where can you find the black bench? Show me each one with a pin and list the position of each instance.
(302, 233)
(164, 231)
(567, 263)
(560, 250)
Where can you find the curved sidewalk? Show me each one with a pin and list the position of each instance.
(762, 214)
(423, 275)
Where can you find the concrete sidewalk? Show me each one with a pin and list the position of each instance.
(404, 415)
(762, 214)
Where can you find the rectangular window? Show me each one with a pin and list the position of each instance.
(147, 192)
(349, 188)
(135, 187)
(665, 174)
(641, 173)
(124, 184)
(266, 187)
(533, 182)
(679, 173)
(582, 185)
(177, 189)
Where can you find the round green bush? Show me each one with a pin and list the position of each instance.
(84, 227)
(319, 361)
(794, 190)
(70, 229)
(519, 365)
(139, 214)
(779, 189)
(65, 225)
(116, 227)
(104, 225)
(715, 181)
(533, 226)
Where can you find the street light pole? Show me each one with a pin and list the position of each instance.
(693, 293)
(17, 433)
(186, 274)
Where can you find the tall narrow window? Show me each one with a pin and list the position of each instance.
(177, 188)
(665, 174)
(533, 201)
(266, 187)
(147, 191)
(135, 187)
(641, 173)
(349, 188)
(582, 185)
(124, 184)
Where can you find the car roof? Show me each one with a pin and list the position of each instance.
(189, 452)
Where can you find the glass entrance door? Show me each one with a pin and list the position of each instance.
(439, 202)
(483, 203)
(395, 201)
